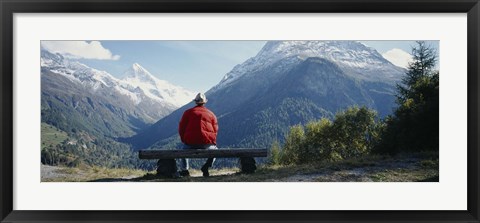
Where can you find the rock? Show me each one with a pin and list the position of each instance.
(247, 165)
(166, 168)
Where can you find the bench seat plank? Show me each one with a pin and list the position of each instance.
(201, 153)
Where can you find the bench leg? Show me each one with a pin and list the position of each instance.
(166, 168)
(247, 164)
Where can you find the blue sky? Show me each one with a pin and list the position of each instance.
(195, 65)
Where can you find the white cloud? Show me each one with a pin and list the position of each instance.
(398, 57)
(80, 49)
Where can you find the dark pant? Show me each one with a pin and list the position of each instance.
(184, 162)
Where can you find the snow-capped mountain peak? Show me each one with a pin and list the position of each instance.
(353, 57)
(140, 78)
(140, 70)
(137, 66)
(136, 71)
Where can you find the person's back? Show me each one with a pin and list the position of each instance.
(198, 126)
(198, 130)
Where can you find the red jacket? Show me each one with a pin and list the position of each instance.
(198, 126)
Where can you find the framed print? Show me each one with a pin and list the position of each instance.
(238, 111)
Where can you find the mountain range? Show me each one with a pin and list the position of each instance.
(287, 83)
(78, 97)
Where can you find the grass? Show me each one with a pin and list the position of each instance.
(51, 136)
(405, 175)
(427, 170)
(85, 173)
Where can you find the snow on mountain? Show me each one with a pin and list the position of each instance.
(160, 90)
(138, 83)
(76, 71)
(352, 57)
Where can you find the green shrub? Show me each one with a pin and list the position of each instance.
(293, 144)
(275, 154)
(352, 133)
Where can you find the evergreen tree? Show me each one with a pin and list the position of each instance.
(422, 67)
(415, 123)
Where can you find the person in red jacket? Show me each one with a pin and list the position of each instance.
(198, 129)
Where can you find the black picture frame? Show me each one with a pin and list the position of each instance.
(9, 7)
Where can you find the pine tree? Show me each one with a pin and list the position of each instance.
(415, 123)
(422, 66)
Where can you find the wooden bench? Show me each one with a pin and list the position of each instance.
(167, 165)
